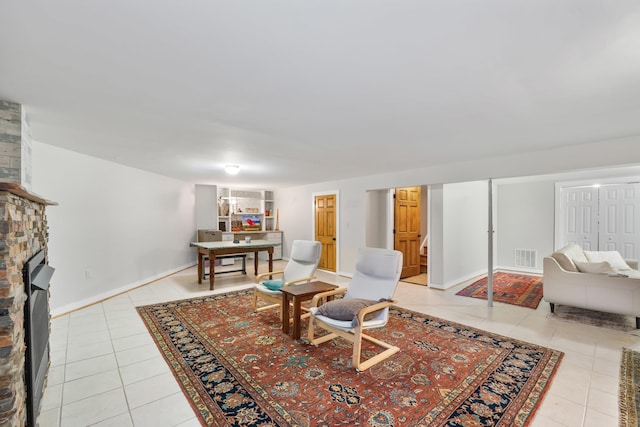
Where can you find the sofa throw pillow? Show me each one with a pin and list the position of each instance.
(565, 262)
(602, 267)
(273, 285)
(346, 309)
(614, 259)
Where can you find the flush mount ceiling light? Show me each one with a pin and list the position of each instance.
(232, 169)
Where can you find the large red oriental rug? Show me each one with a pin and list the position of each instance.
(238, 369)
(516, 289)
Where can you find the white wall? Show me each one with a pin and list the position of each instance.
(115, 227)
(295, 213)
(436, 235)
(377, 218)
(424, 213)
(465, 219)
(206, 207)
(526, 221)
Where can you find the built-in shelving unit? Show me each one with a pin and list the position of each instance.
(269, 213)
(240, 213)
(245, 210)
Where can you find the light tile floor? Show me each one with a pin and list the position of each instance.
(106, 370)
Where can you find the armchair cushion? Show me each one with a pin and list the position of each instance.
(632, 263)
(378, 264)
(567, 256)
(565, 262)
(306, 251)
(612, 257)
(273, 285)
(347, 309)
(595, 267)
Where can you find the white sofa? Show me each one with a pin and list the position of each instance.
(600, 281)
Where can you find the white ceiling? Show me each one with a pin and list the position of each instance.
(307, 91)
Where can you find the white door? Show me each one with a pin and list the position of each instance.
(579, 216)
(620, 218)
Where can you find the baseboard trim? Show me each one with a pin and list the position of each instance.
(469, 278)
(534, 271)
(66, 309)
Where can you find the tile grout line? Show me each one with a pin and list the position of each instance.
(124, 392)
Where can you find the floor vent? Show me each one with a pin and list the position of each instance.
(525, 258)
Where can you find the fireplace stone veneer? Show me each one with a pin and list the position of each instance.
(23, 233)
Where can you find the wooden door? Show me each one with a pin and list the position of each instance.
(407, 229)
(325, 218)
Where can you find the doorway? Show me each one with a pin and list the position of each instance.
(406, 229)
(325, 208)
(381, 222)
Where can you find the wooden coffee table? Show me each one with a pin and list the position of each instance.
(296, 294)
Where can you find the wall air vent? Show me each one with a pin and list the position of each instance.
(525, 258)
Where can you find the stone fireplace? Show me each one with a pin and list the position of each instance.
(23, 233)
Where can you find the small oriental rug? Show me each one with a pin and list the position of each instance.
(237, 368)
(629, 391)
(517, 289)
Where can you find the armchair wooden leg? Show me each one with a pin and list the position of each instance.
(311, 331)
(357, 348)
(267, 307)
(355, 338)
(275, 302)
(315, 341)
(390, 351)
(322, 339)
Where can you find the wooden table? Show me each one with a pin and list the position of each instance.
(296, 294)
(243, 269)
(213, 249)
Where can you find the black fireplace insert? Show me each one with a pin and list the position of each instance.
(36, 275)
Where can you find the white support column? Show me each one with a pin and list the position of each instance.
(490, 243)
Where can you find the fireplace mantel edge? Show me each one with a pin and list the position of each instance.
(19, 190)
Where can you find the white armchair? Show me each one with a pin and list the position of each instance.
(303, 262)
(365, 305)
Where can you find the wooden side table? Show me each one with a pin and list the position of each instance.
(295, 294)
